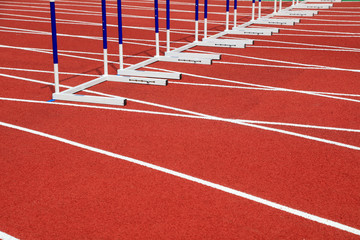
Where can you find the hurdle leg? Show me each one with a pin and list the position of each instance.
(274, 6)
(55, 48)
(103, 8)
(196, 20)
(168, 25)
(120, 27)
(227, 15)
(235, 13)
(157, 40)
(205, 18)
(253, 11)
(259, 9)
(280, 5)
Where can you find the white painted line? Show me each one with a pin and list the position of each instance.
(209, 116)
(184, 83)
(180, 115)
(222, 188)
(4, 236)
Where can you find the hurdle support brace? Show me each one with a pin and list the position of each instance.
(276, 21)
(253, 31)
(313, 6)
(303, 13)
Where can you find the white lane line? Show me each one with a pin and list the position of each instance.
(241, 83)
(339, 144)
(305, 49)
(222, 188)
(264, 86)
(4, 236)
(181, 115)
(313, 35)
(257, 88)
(318, 31)
(182, 82)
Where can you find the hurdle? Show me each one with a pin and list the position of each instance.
(214, 40)
(244, 30)
(131, 76)
(187, 57)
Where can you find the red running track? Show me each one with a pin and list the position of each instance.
(300, 87)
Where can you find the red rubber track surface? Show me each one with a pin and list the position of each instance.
(306, 74)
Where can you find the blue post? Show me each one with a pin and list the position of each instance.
(120, 26)
(227, 14)
(235, 13)
(205, 8)
(54, 44)
(196, 20)
(53, 31)
(168, 14)
(156, 9)
(168, 25)
(103, 8)
(120, 30)
(196, 10)
(205, 17)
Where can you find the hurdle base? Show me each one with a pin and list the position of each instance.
(313, 6)
(185, 59)
(252, 31)
(193, 55)
(149, 74)
(138, 80)
(275, 21)
(118, 101)
(228, 43)
(304, 13)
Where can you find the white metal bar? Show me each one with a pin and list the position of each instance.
(274, 6)
(168, 40)
(253, 11)
(56, 78)
(230, 43)
(194, 55)
(227, 21)
(280, 21)
(196, 31)
(106, 72)
(121, 56)
(304, 13)
(151, 74)
(138, 80)
(205, 27)
(195, 60)
(90, 99)
(280, 5)
(157, 40)
(314, 6)
(235, 17)
(259, 9)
